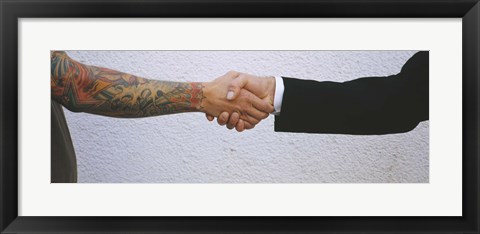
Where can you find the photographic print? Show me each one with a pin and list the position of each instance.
(202, 117)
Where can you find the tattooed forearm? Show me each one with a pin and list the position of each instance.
(83, 88)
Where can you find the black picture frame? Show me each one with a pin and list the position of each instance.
(12, 10)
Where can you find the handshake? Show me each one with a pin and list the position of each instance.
(364, 106)
(238, 100)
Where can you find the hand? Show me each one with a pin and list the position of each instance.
(249, 108)
(262, 87)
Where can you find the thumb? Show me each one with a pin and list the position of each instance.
(235, 86)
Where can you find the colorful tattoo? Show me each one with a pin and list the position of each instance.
(83, 88)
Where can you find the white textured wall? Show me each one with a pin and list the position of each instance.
(186, 148)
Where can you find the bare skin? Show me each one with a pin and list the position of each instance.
(102, 91)
(262, 87)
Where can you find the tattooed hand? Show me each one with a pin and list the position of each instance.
(248, 107)
(102, 91)
(262, 87)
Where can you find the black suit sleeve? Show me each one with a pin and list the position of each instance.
(365, 106)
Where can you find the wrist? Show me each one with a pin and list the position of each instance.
(195, 95)
(205, 91)
(271, 88)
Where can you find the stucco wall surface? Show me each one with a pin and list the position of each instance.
(186, 148)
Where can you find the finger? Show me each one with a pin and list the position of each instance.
(255, 102)
(248, 118)
(261, 105)
(253, 112)
(248, 125)
(209, 117)
(222, 118)
(234, 118)
(235, 86)
(240, 126)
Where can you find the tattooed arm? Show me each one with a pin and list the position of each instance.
(102, 91)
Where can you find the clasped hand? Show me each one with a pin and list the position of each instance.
(238, 100)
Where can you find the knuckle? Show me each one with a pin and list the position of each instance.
(232, 73)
